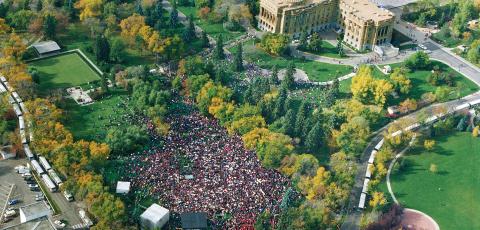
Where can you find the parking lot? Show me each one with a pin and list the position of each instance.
(8, 178)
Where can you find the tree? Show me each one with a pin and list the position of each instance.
(433, 168)
(400, 81)
(274, 44)
(20, 19)
(131, 27)
(369, 90)
(126, 140)
(89, 8)
(218, 52)
(289, 79)
(314, 138)
(279, 108)
(303, 44)
(301, 119)
(315, 44)
(117, 50)
(274, 77)
(189, 34)
(408, 105)
(418, 60)
(102, 49)
(204, 39)
(50, 26)
(39, 6)
(429, 144)
(238, 60)
(289, 122)
(378, 200)
(475, 131)
(173, 20)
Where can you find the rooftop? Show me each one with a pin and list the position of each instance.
(367, 10)
(46, 47)
(154, 213)
(34, 208)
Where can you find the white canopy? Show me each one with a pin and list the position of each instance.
(123, 187)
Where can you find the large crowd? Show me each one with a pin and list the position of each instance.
(222, 177)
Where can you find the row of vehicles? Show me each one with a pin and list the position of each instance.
(39, 164)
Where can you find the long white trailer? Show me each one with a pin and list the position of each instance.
(368, 174)
(23, 107)
(16, 97)
(365, 185)
(3, 79)
(44, 163)
(36, 166)
(28, 151)
(2, 89)
(21, 122)
(49, 183)
(23, 136)
(361, 203)
(17, 110)
(55, 177)
(379, 144)
(372, 157)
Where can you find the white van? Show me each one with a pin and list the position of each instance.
(68, 195)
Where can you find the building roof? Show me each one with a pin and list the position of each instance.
(46, 47)
(154, 213)
(34, 208)
(367, 10)
(194, 220)
(38, 224)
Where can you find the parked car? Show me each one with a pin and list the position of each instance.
(39, 197)
(59, 223)
(10, 213)
(68, 195)
(31, 182)
(35, 189)
(422, 46)
(33, 185)
(29, 178)
(26, 175)
(13, 201)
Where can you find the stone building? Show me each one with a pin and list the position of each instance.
(364, 23)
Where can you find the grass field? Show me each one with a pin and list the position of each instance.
(328, 50)
(212, 29)
(63, 71)
(91, 122)
(452, 196)
(316, 71)
(420, 84)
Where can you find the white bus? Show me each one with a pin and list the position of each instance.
(23, 136)
(21, 122)
(55, 177)
(44, 163)
(49, 183)
(28, 151)
(17, 110)
(36, 166)
(16, 96)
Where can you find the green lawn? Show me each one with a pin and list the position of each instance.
(316, 71)
(452, 196)
(92, 122)
(328, 50)
(420, 84)
(63, 71)
(212, 29)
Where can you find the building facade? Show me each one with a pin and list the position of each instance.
(364, 23)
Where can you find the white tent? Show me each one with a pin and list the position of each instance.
(123, 187)
(155, 217)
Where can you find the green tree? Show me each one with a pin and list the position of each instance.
(315, 44)
(274, 77)
(189, 34)
(418, 60)
(102, 49)
(50, 26)
(126, 140)
(289, 79)
(313, 140)
(117, 50)
(303, 44)
(279, 109)
(39, 5)
(218, 52)
(289, 122)
(238, 59)
(301, 119)
(204, 39)
(173, 20)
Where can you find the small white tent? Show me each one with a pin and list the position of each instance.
(155, 217)
(123, 187)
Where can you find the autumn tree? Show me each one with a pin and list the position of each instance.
(400, 81)
(131, 26)
(378, 200)
(89, 8)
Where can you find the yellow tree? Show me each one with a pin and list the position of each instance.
(13, 48)
(4, 28)
(131, 26)
(362, 83)
(382, 88)
(378, 200)
(89, 8)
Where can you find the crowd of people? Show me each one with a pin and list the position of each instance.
(200, 168)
